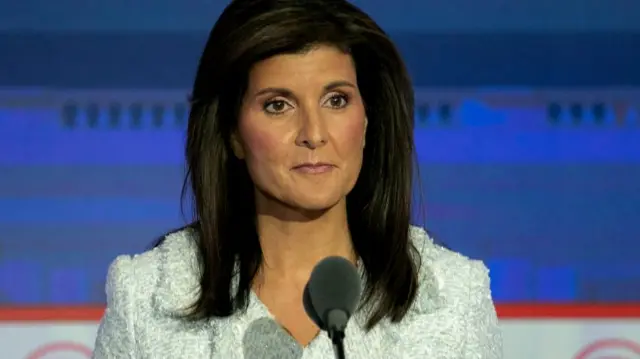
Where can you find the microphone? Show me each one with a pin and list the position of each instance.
(331, 297)
(266, 339)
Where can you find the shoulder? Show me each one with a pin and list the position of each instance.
(166, 275)
(453, 306)
(445, 274)
(146, 293)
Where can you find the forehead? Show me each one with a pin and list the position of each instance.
(320, 64)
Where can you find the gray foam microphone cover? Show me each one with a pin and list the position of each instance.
(266, 339)
(335, 283)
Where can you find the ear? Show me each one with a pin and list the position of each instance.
(236, 146)
(364, 136)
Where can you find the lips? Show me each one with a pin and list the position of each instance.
(314, 168)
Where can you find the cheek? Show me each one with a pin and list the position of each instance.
(352, 138)
(261, 147)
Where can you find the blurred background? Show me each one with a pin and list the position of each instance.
(527, 130)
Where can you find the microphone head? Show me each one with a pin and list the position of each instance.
(335, 284)
(264, 338)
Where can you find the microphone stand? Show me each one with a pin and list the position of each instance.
(337, 338)
(337, 320)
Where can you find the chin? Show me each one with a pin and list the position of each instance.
(317, 203)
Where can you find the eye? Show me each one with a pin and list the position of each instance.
(275, 107)
(337, 101)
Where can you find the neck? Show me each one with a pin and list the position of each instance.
(293, 243)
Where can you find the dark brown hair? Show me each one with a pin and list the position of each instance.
(379, 206)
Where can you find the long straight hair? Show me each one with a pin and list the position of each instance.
(379, 206)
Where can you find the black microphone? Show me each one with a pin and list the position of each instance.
(331, 296)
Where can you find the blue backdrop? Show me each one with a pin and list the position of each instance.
(527, 129)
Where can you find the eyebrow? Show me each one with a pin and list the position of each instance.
(287, 93)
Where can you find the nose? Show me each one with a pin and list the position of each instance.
(313, 130)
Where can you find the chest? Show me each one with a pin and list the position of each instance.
(257, 337)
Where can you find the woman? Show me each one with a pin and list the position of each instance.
(299, 147)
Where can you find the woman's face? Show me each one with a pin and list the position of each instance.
(302, 128)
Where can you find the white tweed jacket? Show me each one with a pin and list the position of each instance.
(452, 317)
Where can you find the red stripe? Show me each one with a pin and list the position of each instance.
(569, 311)
(505, 311)
(51, 313)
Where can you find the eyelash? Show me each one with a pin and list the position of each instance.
(266, 105)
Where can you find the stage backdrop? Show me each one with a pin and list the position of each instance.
(527, 133)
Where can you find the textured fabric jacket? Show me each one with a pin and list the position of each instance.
(452, 317)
